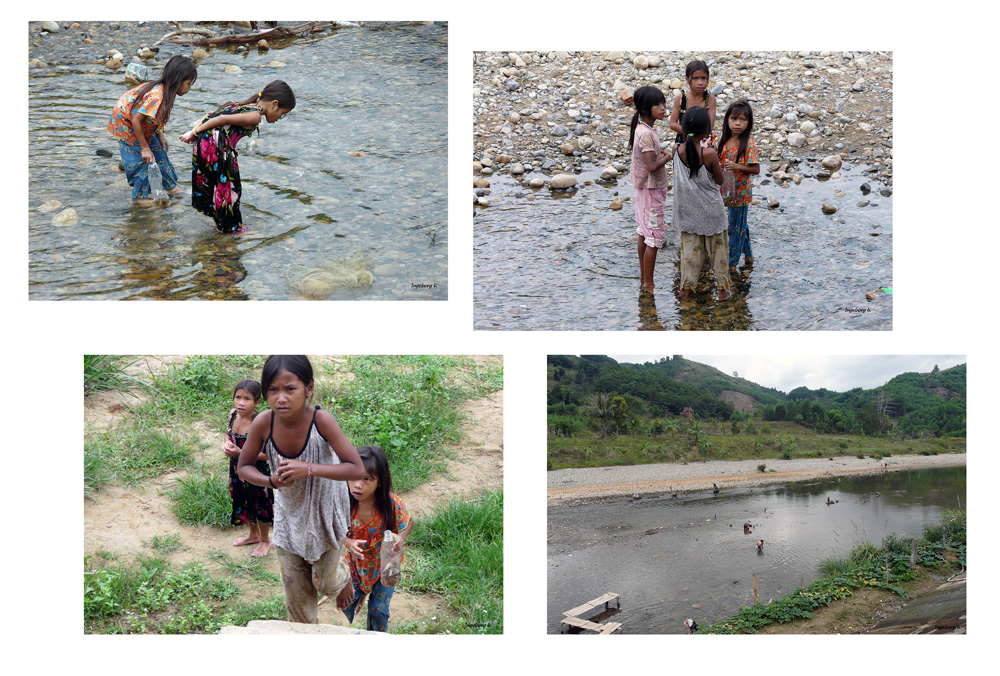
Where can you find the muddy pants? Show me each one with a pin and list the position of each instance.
(694, 249)
(303, 581)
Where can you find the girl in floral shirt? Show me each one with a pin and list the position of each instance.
(374, 510)
(738, 153)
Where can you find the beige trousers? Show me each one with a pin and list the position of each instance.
(303, 581)
(694, 248)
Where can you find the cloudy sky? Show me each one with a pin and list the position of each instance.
(838, 373)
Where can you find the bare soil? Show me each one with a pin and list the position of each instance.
(124, 518)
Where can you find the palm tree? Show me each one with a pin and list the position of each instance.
(601, 407)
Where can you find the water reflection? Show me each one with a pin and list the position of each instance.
(557, 261)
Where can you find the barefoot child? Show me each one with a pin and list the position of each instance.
(374, 510)
(738, 153)
(311, 460)
(649, 178)
(251, 504)
(697, 77)
(137, 121)
(215, 175)
(698, 209)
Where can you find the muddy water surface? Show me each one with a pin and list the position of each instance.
(671, 559)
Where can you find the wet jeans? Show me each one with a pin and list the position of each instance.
(135, 168)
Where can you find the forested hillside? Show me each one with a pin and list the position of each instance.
(597, 393)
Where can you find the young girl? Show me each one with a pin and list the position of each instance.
(698, 208)
(649, 178)
(251, 504)
(311, 460)
(738, 153)
(215, 175)
(138, 119)
(697, 77)
(374, 510)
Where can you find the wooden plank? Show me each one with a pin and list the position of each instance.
(610, 627)
(590, 605)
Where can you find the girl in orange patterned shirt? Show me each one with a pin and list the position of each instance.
(138, 119)
(374, 510)
(738, 153)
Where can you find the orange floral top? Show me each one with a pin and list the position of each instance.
(366, 571)
(744, 185)
(120, 124)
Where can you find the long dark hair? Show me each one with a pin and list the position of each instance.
(178, 69)
(644, 99)
(742, 108)
(694, 123)
(296, 364)
(277, 90)
(694, 67)
(251, 387)
(377, 466)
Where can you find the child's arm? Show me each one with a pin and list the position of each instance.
(402, 536)
(711, 158)
(136, 121)
(248, 119)
(654, 159)
(229, 447)
(675, 115)
(350, 466)
(712, 106)
(251, 450)
(746, 168)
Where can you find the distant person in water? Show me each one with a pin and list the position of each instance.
(760, 546)
(216, 189)
(691, 625)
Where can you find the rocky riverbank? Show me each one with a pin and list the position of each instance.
(569, 486)
(542, 116)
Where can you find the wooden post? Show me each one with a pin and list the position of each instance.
(913, 554)
(755, 588)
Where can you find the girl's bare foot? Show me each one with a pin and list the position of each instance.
(748, 261)
(248, 540)
(345, 596)
(685, 294)
(732, 268)
(724, 294)
(143, 202)
(176, 190)
(262, 549)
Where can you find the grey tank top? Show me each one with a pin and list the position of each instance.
(698, 207)
(310, 516)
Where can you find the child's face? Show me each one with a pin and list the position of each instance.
(184, 88)
(287, 394)
(362, 489)
(738, 123)
(273, 112)
(698, 81)
(244, 402)
(659, 111)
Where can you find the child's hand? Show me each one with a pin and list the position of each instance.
(290, 470)
(147, 155)
(230, 448)
(345, 596)
(354, 547)
(732, 166)
(188, 136)
(398, 546)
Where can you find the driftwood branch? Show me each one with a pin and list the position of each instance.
(272, 34)
(181, 31)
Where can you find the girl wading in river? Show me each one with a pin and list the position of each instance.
(216, 189)
(649, 178)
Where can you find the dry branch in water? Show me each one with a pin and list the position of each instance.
(272, 34)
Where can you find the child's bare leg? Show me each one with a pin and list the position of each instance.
(265, 541)
(649, 265)
(642, 260)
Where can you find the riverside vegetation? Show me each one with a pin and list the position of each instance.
(410, 405)
(603, 413)
(941, 550)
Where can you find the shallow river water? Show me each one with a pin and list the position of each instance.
(688, 557)
(569, 262)
(358, 169)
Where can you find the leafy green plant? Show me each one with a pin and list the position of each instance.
(201, 498)
(108, 373)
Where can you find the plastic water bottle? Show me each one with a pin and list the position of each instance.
(156, 190)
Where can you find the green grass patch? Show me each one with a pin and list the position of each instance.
(133, 452)
(164, 544)
(151, 597)
(458, 553)
(201, 498)
(245, 568)
(107, 373)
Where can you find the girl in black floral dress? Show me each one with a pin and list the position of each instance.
(215, 173)
(252, 505)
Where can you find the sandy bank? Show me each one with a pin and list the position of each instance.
(567, 486)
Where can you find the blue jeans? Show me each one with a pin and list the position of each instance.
(739, 235)
(378, 606)
(135, 168)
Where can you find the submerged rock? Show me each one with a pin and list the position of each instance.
(562, 181)
(64, 217)
(829, 208)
